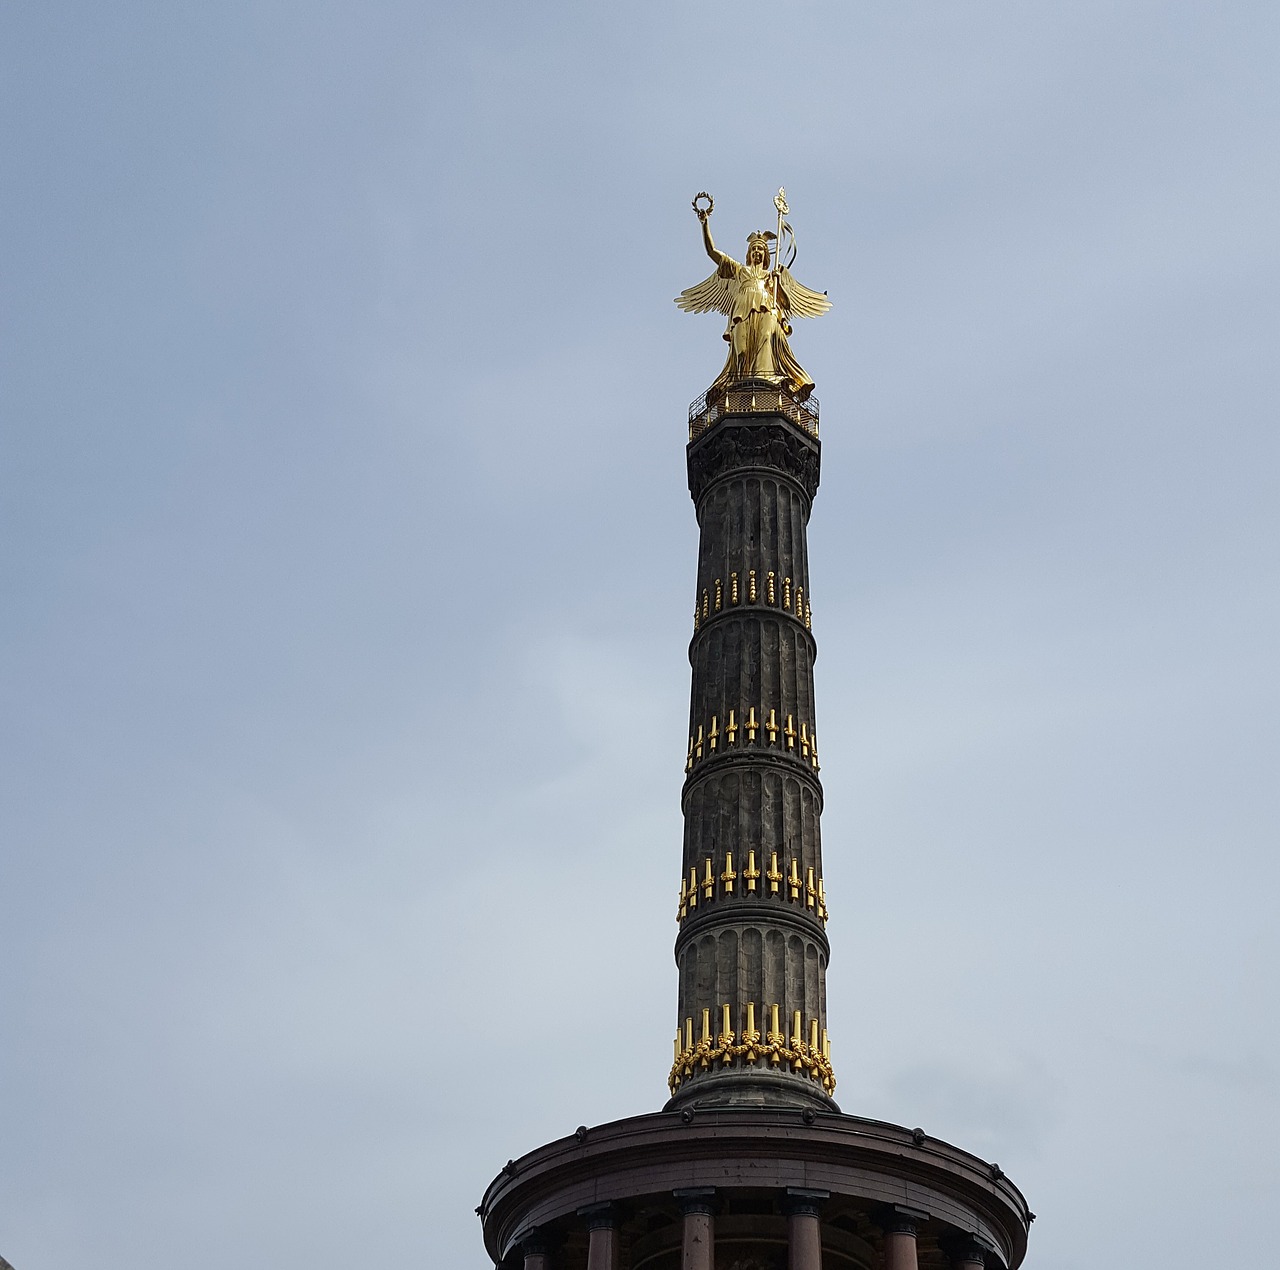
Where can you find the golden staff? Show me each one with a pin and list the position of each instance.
(780, 202)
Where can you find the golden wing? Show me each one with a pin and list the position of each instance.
(715, 294)
(799, 300)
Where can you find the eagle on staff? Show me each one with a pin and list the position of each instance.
(759, 299)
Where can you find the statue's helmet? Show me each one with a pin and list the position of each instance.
(761, 239)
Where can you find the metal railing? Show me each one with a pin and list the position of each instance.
(757, 398)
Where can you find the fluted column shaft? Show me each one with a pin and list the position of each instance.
(698, 1244)
(804, 1229)
(900, 1250)
(900, 1227)
(602, 1237)
(752, 949)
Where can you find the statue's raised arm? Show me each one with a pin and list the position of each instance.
(704, 215)
(758, 301)
(716, 293)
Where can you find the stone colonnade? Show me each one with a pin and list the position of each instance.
(899, 1226)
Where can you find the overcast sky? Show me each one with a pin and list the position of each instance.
(348, 571)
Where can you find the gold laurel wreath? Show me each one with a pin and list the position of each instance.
(703, 211)
(775, 1049)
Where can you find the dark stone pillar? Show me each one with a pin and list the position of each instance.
(804, 1229)
(602, 1235)
(752, 903)
(900, 1226)
(699, 1251)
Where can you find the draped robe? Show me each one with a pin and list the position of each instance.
(757, 303)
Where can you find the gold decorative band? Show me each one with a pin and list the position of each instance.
(811, 1058)
(712, 599)
(784, 883)
(705, 742)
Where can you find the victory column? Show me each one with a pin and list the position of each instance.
(751, 1165)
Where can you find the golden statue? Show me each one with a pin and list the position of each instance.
(759, 302)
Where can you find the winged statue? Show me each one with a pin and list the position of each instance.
(759, 300)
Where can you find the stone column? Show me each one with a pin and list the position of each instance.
(804, 1228)
(752, 802)
(900, 1226)
(698, 1207)
(602, 1236)
(965, 1251)
(536, 1253)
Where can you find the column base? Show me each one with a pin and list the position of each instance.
(751, 1088)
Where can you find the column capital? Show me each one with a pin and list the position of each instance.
(599, 1216)
(798, 1200)
(697, 1199)
(897, 1219)
(535, 1243)
(964, 1248)
(768, 441)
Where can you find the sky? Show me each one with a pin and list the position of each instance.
(347, 567)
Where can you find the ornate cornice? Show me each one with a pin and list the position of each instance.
(773, 445)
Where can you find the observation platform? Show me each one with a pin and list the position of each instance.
(752, 397)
